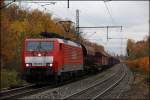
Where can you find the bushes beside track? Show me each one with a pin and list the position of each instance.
(141, 64)
(138, 61)
(10, 79)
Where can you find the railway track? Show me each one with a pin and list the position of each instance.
(118, 91)
(99, 89)
(14, 93)
(69, 89)
(28, 90)
(109, 88)
(33, 89)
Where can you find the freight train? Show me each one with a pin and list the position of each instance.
(47, 59)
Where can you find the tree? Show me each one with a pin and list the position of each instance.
(130, 44)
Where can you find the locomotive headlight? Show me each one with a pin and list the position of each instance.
(27, 65)
(39, 54)
(50, 65)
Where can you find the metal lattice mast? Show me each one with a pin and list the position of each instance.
(19, 4)
(77, 22)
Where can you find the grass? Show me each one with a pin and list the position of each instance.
(10, 79)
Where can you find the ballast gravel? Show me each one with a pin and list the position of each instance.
(69, 89)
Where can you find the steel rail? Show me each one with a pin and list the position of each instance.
(124, 81)
(129, 75)
(111, 87)
(30, 89)
(83, 90)
(24, 91)
(14, 89)
(5, 93)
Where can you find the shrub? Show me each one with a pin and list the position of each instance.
(10, 78)
(141, 64)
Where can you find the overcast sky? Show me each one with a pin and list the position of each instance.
(132, 15)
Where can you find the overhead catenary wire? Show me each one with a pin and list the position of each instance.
(109, 12)
(43, 6)
(38, 1)
(1, 7)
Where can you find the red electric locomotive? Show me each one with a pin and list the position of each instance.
(50, 58)
(58, 58)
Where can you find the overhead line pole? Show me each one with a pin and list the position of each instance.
(68, 3)
(77, 23)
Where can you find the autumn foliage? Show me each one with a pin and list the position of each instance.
(138, 49)
(138, 54)
(18, 24)
(141, 64)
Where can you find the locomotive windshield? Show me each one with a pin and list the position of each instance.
(39, 45)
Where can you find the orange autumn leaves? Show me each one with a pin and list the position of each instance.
(141, 63)
(138, 49)
(138, 54)
(18, 24)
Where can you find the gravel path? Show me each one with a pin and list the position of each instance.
(63, 91)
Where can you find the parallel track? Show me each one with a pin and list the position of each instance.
(33, 89)
(100, 90)
(109, 88)
(117, 91)
(12, 92)
(28, 90)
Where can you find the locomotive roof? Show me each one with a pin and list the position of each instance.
(68, 42)
(39, 39)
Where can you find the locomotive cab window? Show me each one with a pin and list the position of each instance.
(39, 45)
